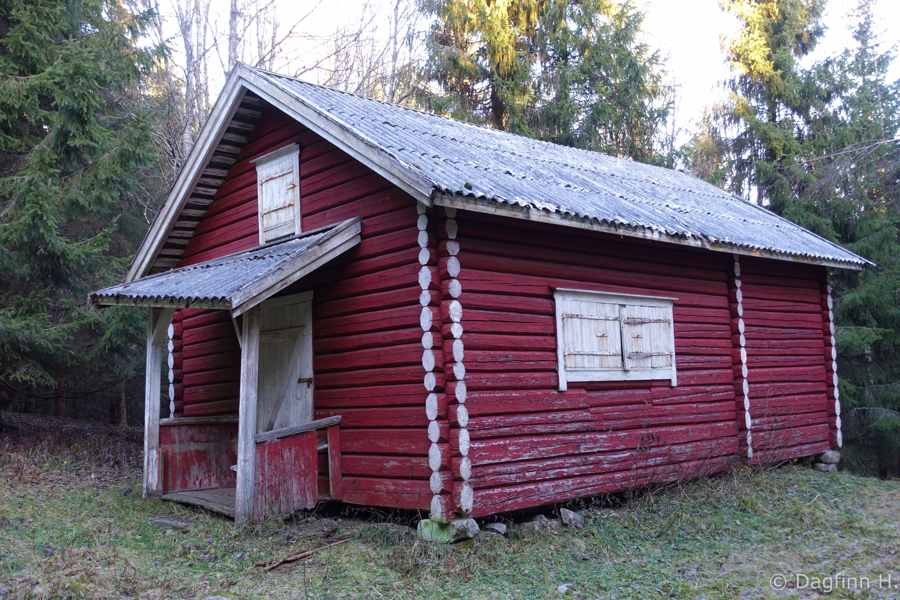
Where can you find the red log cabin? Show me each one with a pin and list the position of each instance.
(368, 303)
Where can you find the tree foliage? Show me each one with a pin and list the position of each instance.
(819, 146)
(768, 96)
(574, 73)
(77, 165)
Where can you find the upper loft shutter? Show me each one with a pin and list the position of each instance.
(278, 188)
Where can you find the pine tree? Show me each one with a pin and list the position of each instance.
(76, 176)
(571, 73)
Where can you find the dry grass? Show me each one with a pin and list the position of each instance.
(67, 531)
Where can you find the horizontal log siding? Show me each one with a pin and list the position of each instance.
(367, 339)
(209, 359)
(532, 445)
(367, 342)
(786, 367)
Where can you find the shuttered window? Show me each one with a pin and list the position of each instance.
(278, 189)
(613, 337)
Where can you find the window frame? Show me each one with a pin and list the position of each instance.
(290, 156)
(624, 373)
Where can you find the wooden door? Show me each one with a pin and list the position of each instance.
(285, 388)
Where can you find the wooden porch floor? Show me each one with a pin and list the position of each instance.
(218, 500)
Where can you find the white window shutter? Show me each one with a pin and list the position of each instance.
(278, 188)
(648, 340)
(613, 337)
(592, 335)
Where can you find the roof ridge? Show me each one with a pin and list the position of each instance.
(385, 102)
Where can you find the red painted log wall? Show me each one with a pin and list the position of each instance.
(786, 368)
(365, 311)
(530, 443)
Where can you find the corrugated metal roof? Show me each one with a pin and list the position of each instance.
(225, 282)
(469, 161)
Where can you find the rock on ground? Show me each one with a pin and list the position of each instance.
(825, 468)
(538, 523)
(496, 528)
(829, 457)
(453, 532)
(570, 518)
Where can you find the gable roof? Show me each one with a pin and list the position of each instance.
(456, 164)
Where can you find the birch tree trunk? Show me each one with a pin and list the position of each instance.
(234, 35)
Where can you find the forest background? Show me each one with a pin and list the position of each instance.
(101, 101)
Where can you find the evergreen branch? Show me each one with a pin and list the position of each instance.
(20, 77)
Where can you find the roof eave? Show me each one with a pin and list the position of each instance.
(210, 136)
(493, 207)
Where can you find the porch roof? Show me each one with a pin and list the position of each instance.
(239, 281)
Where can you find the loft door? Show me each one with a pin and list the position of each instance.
(285, 389)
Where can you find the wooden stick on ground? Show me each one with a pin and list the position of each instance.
(306, 553)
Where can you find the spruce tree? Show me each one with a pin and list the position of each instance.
(851, 194)
(767, 105)
(820, 146)
(571, 73)
(77, 172)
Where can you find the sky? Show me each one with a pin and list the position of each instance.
(687, 32)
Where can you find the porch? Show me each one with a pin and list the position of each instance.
(271, 458)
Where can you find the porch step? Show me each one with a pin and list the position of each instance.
(218, 500)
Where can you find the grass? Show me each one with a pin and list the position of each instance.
(68, 531)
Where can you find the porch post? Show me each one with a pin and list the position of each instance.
(158, 320)
(246, 452)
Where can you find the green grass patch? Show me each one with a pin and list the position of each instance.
(68, 531)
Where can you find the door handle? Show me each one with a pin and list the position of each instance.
(307, 380)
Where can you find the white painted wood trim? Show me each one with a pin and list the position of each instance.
(292, 299)
(295, 429)
(203, 149)
(158, 302)
(237, 329)
(276, 154)
(246, 452)
(288, 153)
(491, 207)
(157, 321)
(614, 298)
(560, 347)
(673, 382)
(574, 375)
(162, 319)
(391, 168)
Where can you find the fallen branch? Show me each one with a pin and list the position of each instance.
(304, 554)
